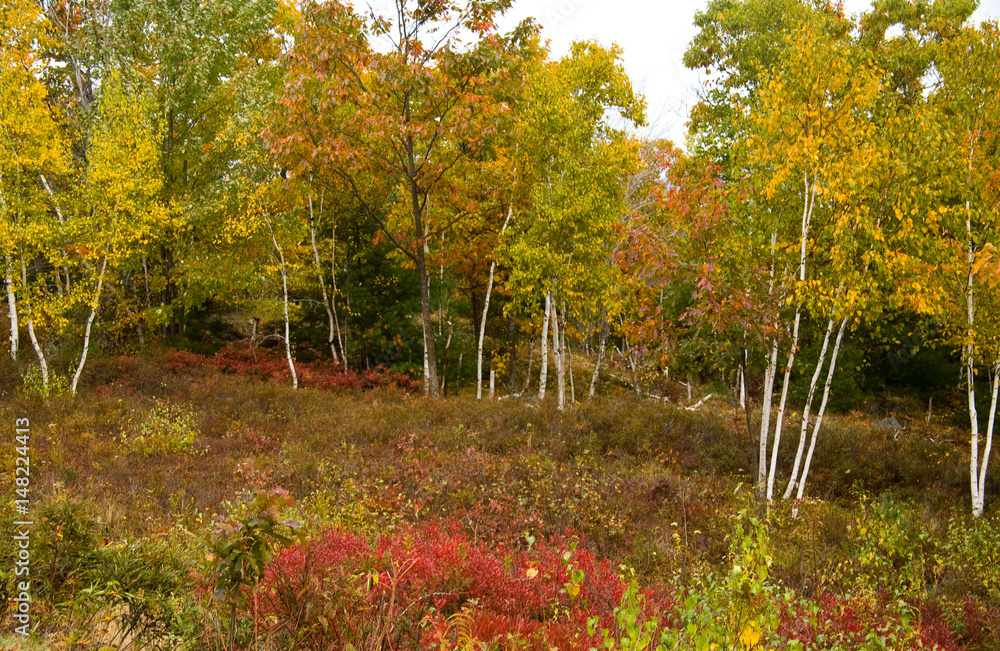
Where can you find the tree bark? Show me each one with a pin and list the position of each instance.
(43, 365)
(809, 204)
(331, 340)
(543, 377)
(807, 408)
(970, 372)
(567, 355)
(333, 292)
(482, 320)
(90, 322)
(420, 258)
(605, 330)
(512, 342)
(558, 357)
(284, 295)
(12, 311)
(820, 413)
(765, 417)
(989, 436)
(786, 380)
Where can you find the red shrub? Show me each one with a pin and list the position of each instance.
(243, 358)
(415, 576)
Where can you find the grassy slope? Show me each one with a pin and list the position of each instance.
(647, 484)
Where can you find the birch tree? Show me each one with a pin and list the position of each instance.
(810, 138)
(574, 161)
(122, 185)
(31, 147)
(968, 99)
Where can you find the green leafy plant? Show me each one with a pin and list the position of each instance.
(34, 384)
(166, 428)
(243, 547)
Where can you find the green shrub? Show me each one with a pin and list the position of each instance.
(32, 384)
(166, 428)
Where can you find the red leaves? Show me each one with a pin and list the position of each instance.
(427, 573)
(244, 359)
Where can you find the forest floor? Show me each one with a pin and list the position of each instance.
(441, 524)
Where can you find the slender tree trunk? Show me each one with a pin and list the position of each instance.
(482, 319)
(559, 357)
(284, 296)
(765, 404)
(531, 358)
(807, 408)
(43, 365)
(482, 334)
(59, 216)
(765, 417)
(430, 355)
(741, 378)
(90, 322)
(567, 354)
(989, 436)
(333, 292)
(819, 415)
(331, 339)
(512, 342)
(807, 209)
(786, 380)
(543, 377)
(970, 374)
(605, 331)
(420, 258)
(12, 311)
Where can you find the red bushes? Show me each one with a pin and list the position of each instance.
(245, 359)
(851, 621)
(341, 589)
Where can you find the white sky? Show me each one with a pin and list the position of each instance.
(653, 34)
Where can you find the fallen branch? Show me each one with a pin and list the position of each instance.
(699, 403)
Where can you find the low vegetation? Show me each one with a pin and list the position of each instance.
(180, 504)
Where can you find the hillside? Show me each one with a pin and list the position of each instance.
(437, 522)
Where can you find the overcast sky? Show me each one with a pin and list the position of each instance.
(653, 34)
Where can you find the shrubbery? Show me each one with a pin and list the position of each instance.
(165, 428)
(244, 358)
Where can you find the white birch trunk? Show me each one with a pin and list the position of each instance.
(90, 323)
(333, 293)
(786, 380)
(568, 355)
(989, 435)
(970, 375)
(558, 357)
(600, 357)
(809, 204)
(807, 408)
(284, 296)
(543, 376)
(482, 319)
(820, 414)
(331, 340)
(43, 365)
(12, 311)
(531, 354)
(743, 388)
(765, 414)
